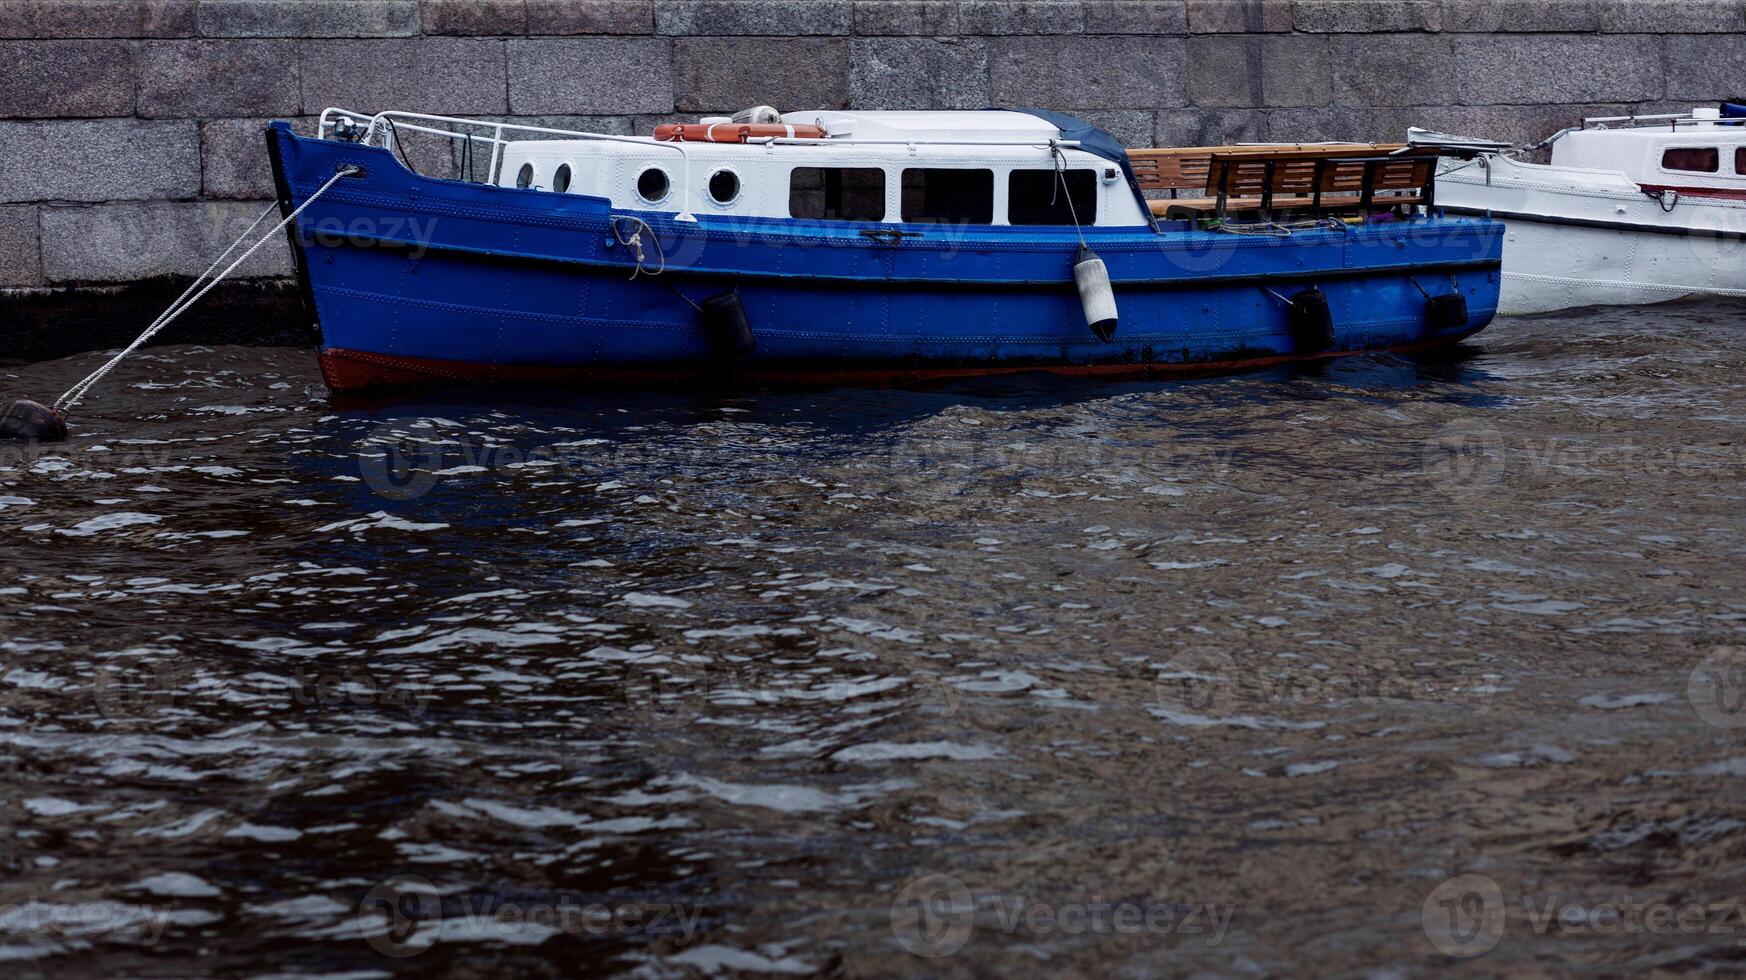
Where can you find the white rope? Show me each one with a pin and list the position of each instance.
(77, 392)
(635, 244)
(1061, 180)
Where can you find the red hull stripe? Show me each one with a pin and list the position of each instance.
(1725, 193)
(351, 370)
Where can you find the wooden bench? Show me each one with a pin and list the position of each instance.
(1282, 179)
(1177, 169)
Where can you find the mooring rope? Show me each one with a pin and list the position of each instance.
(1061, 180)
(78, 391)
(635, 244)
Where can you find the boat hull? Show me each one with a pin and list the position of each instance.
(1580, 238)
(419, 281)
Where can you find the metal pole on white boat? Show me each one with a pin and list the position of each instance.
(496, 150)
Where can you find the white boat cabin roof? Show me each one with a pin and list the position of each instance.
(927, 126)
(1696, 150)
(966, 167)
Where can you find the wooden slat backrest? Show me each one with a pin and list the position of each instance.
(1177, 169)
(1406, 173)
(1258, 171)
(1332, 178)
(1390, 177)
(1189, 167)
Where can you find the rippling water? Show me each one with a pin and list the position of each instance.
(1231, 675)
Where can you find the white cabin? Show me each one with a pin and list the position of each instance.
(987, 168)
(1693, 151)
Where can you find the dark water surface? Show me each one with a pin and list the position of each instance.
(1329, 671)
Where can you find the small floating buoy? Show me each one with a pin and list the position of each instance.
(1310, 321)
(33, 422)
(1096, 295)
(26, 420)
(726, 327)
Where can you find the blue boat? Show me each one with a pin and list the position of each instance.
(831, 247)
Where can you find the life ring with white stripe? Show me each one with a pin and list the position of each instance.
(730, 132)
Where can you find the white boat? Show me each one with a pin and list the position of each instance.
(1631, 210)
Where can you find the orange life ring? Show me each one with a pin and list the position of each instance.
(734, 132)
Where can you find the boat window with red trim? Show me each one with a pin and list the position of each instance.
(1038, 197)
(1697, 159)
(948, 196)
(837, 193)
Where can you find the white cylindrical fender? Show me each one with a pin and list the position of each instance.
(1095, 293)
(758, 115)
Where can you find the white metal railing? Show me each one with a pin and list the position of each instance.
(1672, 119)
(1669, 119)
(383, 128)
(389, 122)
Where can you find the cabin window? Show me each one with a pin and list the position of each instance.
(1698, 159)
(561, 179)
(524, 176)
(837, 193)
(652, 185)
(724, 187)
(1037, 197)
(943, 196)
(1740, 161)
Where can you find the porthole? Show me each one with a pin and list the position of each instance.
(524, 176)
(724, 187)
(561, 179)
(652, 185)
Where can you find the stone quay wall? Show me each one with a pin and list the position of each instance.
(130, 130)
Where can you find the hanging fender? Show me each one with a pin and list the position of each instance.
(1310, 321)
(1445, 312)
(726, 327)
(1096, 295)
